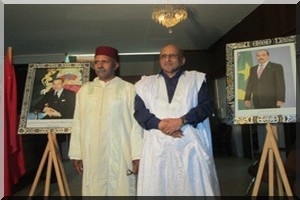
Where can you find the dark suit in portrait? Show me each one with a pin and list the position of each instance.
(64, 104)
(268, 89)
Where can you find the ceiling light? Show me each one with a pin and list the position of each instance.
(169, 15)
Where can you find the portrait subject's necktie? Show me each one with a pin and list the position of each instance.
(260, 70)
(56, 95)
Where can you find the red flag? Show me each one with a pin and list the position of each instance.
(14, 163)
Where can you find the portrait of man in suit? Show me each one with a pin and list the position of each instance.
(58, 102)
(266, 85)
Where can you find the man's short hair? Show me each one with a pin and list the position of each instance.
(265, 51)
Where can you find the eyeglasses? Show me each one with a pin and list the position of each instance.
(171, 56)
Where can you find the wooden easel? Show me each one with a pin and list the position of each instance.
(270, 149)
(53, 153)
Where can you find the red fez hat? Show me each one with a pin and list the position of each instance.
(107, 51)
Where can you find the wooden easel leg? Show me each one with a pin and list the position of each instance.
(64, 177)
(260, 168)
(52, 151)
(39, 171)
(56, 165)
(280, 166)
(270, 146)
(271, 173)
(279, 183)
(278, 178)
(48, 176)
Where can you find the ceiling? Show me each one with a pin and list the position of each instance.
(41, 29)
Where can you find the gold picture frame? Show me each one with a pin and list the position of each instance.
(39, 84)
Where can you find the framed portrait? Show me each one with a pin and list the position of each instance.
(50, 95)
(261, 81)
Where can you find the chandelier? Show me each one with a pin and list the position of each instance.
(169, 15)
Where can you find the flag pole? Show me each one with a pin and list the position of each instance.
(9, 52)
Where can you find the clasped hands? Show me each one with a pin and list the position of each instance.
(51, 112)
(171, 127)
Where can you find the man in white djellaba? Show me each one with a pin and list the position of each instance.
(106, 140)
(174, 107)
